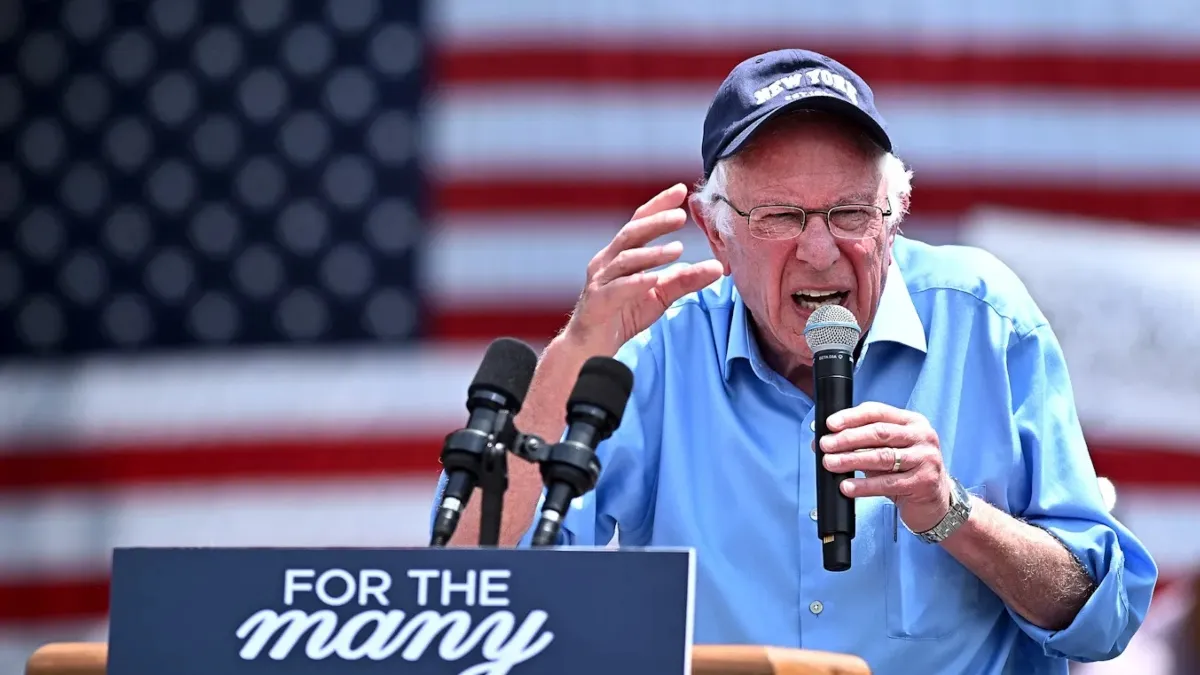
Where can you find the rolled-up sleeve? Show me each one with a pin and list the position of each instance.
(1060, 493)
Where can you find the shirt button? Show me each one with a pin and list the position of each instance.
(812, 426)
(816, 607)
(813, 514)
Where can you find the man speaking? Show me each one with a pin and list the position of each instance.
(982, 543)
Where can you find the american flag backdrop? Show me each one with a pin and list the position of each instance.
(252, 251)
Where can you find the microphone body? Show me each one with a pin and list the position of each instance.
(493, 399)
(833, 374)
(594, 411)
(832, 334)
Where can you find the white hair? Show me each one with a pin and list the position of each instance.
(896, 176)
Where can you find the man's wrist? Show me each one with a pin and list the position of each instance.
(582, 343)
(957, 513)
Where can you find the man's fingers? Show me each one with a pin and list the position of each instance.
(678, 281)
(874, 460)
(874, 435)
(632, 287)
(669, 198)
(866, 413)
(887, 485)
(637, 233)
(642, 231)
(638, 260)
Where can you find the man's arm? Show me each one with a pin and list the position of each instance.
(1060, 495)
(623, 296)
(1031, 571)
(543, 414)
(1074, 578)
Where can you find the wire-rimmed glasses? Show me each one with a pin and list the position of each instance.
(774, 222)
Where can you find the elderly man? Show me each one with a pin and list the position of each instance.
(983, 544)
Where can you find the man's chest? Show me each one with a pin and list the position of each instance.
(736, 481)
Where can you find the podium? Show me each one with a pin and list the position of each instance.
(90, 658)
(430, 611)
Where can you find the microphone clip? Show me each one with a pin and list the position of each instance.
(487, 456)
(567, 462)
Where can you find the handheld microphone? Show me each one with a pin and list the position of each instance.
(832, 333)
(594, 411)
(494, 397)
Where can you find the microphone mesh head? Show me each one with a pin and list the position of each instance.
(507, 368)
(831, 327)
(605, 383)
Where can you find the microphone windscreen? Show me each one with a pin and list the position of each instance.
(831, 327)
(605, 383)
(507, 368)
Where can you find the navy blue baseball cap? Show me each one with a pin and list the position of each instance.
(764, 86)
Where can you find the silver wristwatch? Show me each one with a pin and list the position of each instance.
(960, 510)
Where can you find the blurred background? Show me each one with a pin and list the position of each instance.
(251, 252)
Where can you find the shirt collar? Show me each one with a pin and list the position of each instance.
(896, 321)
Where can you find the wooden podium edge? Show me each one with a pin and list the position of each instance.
(756, 660)
(69, 658)
(91, 658)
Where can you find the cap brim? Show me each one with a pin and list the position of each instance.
(829, 104)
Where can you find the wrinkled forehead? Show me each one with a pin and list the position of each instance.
(797, 171)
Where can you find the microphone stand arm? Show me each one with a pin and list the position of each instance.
(493, 472)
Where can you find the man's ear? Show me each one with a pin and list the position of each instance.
(716, 240)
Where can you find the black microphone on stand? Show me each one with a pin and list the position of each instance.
(594, 411)
(832, 333)
(493, 399)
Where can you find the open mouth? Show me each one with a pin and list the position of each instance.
(814, 299)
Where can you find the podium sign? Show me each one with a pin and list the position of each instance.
(413, 611)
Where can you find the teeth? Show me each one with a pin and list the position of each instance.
(813, 304)
(815, 299)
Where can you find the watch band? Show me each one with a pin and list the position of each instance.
(960, 510)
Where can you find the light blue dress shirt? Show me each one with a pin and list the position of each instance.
(714, 453)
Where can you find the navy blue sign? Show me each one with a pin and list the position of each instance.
(419, 611)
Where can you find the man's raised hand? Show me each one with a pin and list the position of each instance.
(623, 294)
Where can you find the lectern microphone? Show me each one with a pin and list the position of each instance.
(493, 399)
(594, 411)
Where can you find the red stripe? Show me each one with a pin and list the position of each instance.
(123, 465)
(23, 602)
(218, 461)
(1113, 71)
(536, 325)
(1131, 464)
(1167, 205)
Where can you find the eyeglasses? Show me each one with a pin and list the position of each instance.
(779, 221)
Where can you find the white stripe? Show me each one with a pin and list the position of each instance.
(1107, 24)
(238, 393)
(60, 534)
(478, 263)
(1158, 518)
(963, 135)
(540, 260)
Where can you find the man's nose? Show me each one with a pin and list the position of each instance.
(816, 245)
